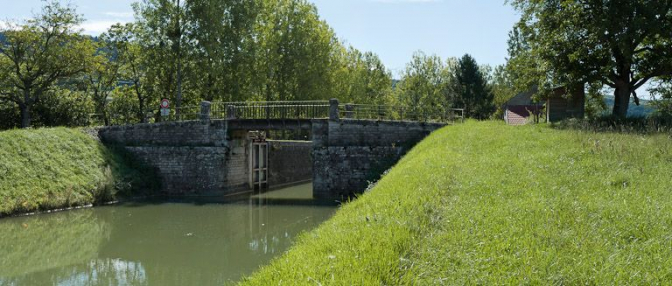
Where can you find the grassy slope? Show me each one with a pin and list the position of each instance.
(55, 168)
(491, 204)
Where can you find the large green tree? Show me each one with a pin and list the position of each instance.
(162, 28)
(295, 52)
(472, 90)
(223, 46)
(425, 85)
(38, 53)
(621, 44)
(134, 63)
(362, 78)
(102, 76)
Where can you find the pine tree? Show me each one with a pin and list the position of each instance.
(471, 90)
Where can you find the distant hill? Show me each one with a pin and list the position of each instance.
(643, 109)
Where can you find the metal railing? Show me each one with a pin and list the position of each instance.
(318, 109)
(402, 113)
(270, 110)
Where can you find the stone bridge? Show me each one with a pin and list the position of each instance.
(212, 156)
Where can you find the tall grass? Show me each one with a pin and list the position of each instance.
(486, 203)
(655, 123)
(54, 168)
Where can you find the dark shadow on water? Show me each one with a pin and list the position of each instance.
(200, 201)
(299, 195)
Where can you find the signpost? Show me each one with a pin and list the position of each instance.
(165, 108)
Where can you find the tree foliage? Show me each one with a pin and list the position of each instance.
(183, 50)
(503, 89)
(425, 85)
(621, 44)
(38, 53)
(473, 92)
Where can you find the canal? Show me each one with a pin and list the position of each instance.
(158, 242)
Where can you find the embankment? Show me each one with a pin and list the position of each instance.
(485, 203)
(45, 169)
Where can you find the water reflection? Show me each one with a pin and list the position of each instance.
(155, 243)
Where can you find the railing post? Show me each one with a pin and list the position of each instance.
(333, 109)
(349, 111)
(230, 112)
(205, 111)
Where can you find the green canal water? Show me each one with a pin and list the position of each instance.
(157, 242)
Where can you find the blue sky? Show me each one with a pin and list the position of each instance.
(394, 29)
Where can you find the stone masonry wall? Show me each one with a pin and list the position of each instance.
(237, 164)
(289, 162)
(186, 171)
(190, 158)
(187, 133)
(351, 154)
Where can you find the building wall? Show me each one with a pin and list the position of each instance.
(513, 118)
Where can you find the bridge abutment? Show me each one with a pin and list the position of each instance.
(348, 155)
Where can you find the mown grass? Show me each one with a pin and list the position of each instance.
(485, 203)
(45, 169)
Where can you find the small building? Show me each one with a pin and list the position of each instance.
(521, 109)
(559, 105)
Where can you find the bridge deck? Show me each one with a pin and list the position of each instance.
(271, 124)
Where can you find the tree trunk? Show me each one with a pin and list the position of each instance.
(25, 115)
(621, 99)
(178, 99)
(142, 112)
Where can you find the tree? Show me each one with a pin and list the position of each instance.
(133, 65)
(661, 92)
(502, 87)
(162, 28)
(295, 52)
(38, 53)
(472, 90)
(425, 85)
(618, 43)
(363, 78)
(224, 49)
(102, 75)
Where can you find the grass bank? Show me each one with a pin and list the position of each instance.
(485, 203)
(45, 169)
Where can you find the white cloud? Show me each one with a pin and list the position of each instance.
(8, 25)
(97, 27)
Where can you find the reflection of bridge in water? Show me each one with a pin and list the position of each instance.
(210, 151)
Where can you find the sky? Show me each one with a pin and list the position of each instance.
(393, 29)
